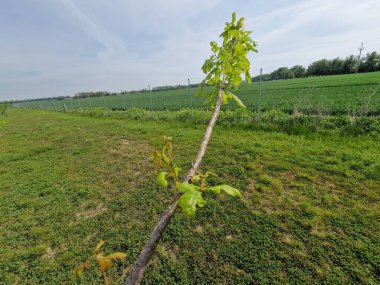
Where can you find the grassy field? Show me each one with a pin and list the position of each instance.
(242, 118)
(310, 212)
(338, 94)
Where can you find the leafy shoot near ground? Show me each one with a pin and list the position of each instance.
(104, 261)
(191, 192)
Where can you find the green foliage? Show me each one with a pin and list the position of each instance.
(163, 158)
(231, 191)
(298, 71)
(161, 179)
(368, 63)
(3, 108)
(186, 186)
(223, 71)
(282, 73)
(228, 95)
(278, 121)
(189, 202)
(191, 191)
(229, 62)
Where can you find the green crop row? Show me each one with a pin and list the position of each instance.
(355, 94)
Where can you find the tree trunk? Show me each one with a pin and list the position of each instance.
(137, 274)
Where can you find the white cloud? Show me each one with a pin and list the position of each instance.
(65, 46)
(311, 30)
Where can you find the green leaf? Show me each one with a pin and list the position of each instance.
(214, 189)
(186, 186)
(161, 180)
(234, 33)
(233, 17)
(240, 23)
(224, 98)
(231, 191)
(177, 169)
(207, 66)
(236, 79)
(164, 157)
(157, 159)
(189, 202)
(248, 77)
(196, 178)
(227, 64)
(235, 99)
(214, 47)
(239, 47)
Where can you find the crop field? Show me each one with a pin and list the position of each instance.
(338, 94)
(310, 211)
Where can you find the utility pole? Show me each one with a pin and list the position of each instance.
(122, 98)
(360, 53)
(191, 100)
(253, 95)
(80, 107)
(151, 99)
(104, 101)
(259, 104)
(89, 97)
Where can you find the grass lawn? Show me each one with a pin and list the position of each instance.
(310, 212)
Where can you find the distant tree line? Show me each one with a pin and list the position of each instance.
(172, 87)
(40, 99)
(93, 94)
(368, 63)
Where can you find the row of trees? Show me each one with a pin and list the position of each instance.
(172, 87)
(145, 90)
(369, 63)
(92, 94)
(39, 99)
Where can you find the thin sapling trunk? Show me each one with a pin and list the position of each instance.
(223, 70)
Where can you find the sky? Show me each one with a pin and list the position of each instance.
(60, 47)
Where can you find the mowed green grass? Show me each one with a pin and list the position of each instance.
(337, 94)
(310, 212)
